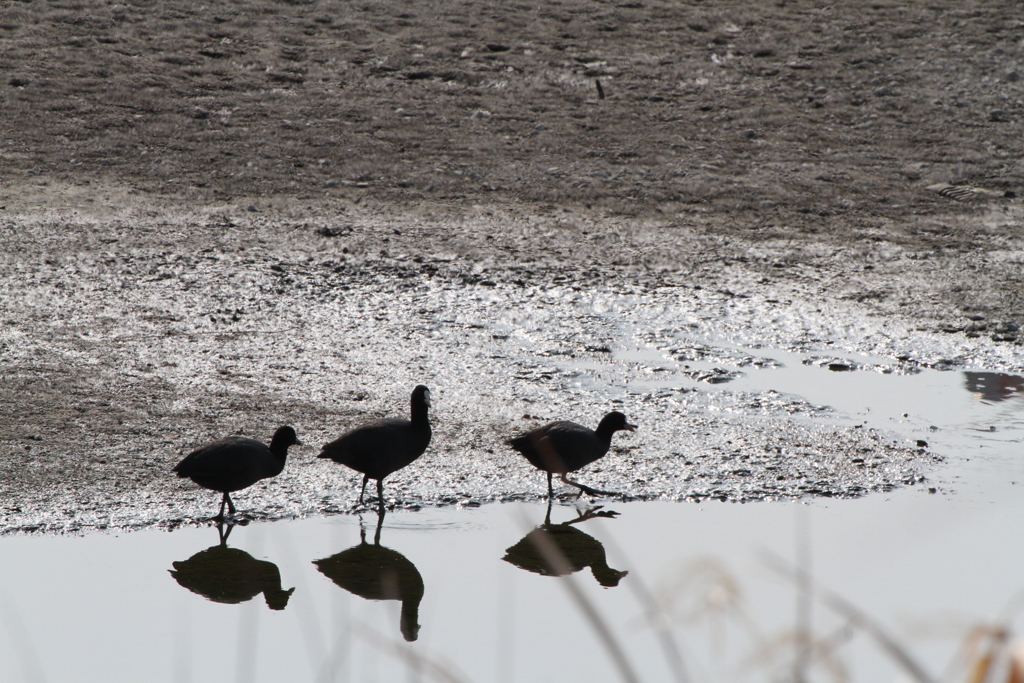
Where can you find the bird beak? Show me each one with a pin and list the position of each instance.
(629, 427)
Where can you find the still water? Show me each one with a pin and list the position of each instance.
(909, 585)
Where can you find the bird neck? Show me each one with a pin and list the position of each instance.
(419, 415)
(279, 448)
(409, 622)
(604, 431)
(277, 597)
(605, 575)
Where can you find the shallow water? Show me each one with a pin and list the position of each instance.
(928, 569)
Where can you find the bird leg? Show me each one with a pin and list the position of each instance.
(551, 491)
(223, 502)
(380, 496)
(222, 533)
(231, 506)
(366, 478)
(586, 489)
(380, 523)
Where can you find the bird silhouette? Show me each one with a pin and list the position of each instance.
(563, 447)
(560, 549)
(379, 448)
(235, 463)
(374, 572)
(230, 576)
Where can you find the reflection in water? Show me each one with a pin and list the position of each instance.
(994, 386)
(230, 575)
(378, 573)
(559, 549)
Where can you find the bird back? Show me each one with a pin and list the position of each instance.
(230, 464)
(560, 446)
(379, 448)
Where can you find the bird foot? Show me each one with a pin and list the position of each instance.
(236, 519)
(591, 513)
(598, 492)
(371, 504)
(587, 490)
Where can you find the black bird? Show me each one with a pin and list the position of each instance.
(374, 572)
(563, 447)
(235, 463)
(379, 448)
(230, 576)
(559, 549)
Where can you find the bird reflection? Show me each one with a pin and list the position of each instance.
(559, 549)
(994, 386)
(230, 575)
(378, 573)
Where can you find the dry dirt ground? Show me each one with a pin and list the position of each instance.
(604, 144)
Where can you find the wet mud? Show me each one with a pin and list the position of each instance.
(134, 368)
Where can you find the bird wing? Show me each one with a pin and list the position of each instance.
(575, 444)
(236, 459)
(559, 447)
(378, 448)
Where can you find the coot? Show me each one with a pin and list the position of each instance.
(379, 448)
(562, 447)
(235, 463)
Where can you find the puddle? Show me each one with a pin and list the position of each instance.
(461, 595)
(969, 416)
(685, 592)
